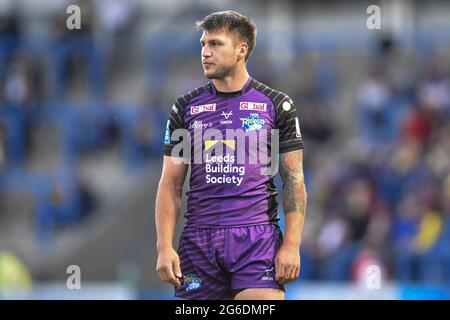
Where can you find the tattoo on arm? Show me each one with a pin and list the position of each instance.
(291, 171)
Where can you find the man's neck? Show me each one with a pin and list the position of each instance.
(232, 83)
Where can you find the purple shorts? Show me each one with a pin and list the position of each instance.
(217, 263)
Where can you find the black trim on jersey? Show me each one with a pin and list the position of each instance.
(210, 88)
(228, 94)
(176, 117)
(272, 205)
(284, 119)
(250, 85)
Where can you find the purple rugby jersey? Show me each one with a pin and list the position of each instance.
(224, 192)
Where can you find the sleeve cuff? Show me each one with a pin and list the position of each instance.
(291, 147)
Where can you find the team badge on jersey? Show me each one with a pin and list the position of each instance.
(253, 106)
(192, 282)
(287, 106)
(252, 122)
(167, 135)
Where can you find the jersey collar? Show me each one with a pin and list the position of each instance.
(247, 86)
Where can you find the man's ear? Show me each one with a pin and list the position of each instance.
(243, 49)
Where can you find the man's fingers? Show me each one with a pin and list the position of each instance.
(279, 271)
(176, 268)
(286, 275)
(175, 282)
(166, 274)
(171, 277)
(292, 276)
(176, 273)
(287, 267)
(163, 274)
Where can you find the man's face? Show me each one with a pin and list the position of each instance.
(219, 54)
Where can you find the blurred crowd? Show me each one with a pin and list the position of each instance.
(38, 74)
(384, 198)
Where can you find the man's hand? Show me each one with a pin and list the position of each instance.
(168, 266)
(287, 264)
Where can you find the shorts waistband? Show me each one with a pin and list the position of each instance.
(200, 226)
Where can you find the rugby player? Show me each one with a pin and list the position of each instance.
(231, 246)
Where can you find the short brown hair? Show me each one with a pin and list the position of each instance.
(231, 21)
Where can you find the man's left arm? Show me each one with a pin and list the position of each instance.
(287, 261)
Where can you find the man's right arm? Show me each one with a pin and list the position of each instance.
(168, 203)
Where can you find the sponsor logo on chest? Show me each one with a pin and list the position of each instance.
(203, 108)
(199, 125)
(226, 116)
(253, 106)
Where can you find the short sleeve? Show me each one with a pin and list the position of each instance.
(174, 122)
(288, 123)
